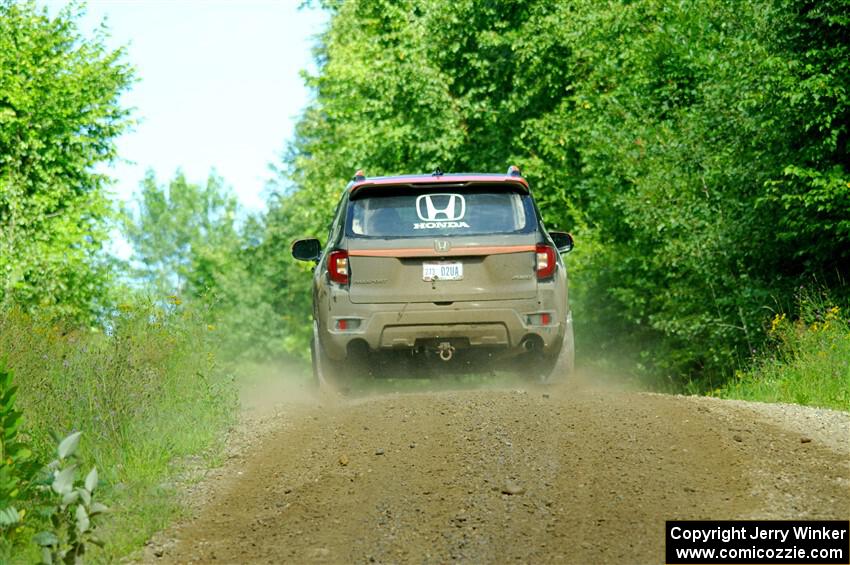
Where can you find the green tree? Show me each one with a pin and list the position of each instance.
(59, 116)
(192, 240)
(183, 234)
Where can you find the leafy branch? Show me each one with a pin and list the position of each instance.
(74, 511)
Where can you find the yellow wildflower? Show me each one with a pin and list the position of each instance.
(777, 321)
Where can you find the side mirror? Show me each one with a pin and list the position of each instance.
(306, 249)
(562, 240)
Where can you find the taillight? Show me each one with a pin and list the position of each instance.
(540, 319)
(545, 261)
(346, 324)
(338, 266)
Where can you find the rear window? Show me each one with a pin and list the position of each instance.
(440, 213)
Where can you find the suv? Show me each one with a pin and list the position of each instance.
(456, 268)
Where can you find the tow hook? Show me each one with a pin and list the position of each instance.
(446, 350)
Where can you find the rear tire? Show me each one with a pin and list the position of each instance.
(559, 369)
(325, 370)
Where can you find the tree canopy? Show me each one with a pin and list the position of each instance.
(59, 116)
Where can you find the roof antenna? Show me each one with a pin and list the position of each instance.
(438, 172)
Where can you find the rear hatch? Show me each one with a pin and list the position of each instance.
(441, 244)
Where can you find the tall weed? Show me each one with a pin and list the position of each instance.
(808, 361)
(147, 391)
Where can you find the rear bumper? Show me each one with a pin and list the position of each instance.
(501, 324)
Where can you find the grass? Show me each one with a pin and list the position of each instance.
(147, 394)
(807, 363)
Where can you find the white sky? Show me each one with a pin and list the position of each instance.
(219, 86)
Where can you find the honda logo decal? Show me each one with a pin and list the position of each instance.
(440, 211)
(440, 207)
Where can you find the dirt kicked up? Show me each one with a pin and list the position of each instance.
(578, 474)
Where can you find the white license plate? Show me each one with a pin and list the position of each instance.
(442, 271)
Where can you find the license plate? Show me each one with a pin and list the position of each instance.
(442, 271)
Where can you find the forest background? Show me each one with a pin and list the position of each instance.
(698, 152)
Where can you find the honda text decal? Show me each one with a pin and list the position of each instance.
(440, 211)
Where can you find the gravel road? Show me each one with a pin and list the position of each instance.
(581, 474)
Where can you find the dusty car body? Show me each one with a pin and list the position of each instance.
(457, 268)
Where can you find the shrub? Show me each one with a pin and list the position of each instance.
(148, 390)
(17, 466)
(72, 511)
(807, 362)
